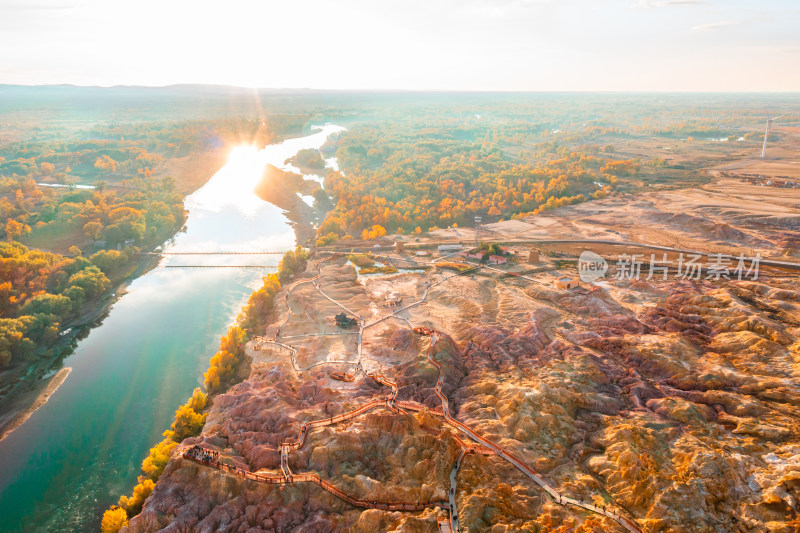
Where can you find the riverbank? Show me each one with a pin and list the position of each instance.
(40, 399)
(190, 172)
(230, 365)
(144, 359)
(23, 384)
(283, 189)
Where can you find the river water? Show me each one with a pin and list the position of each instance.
(80, 451)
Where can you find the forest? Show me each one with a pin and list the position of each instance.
(44, 291)
(395, 179)
(40, 291)
(142, 212)
(432, 161)
(112, 153)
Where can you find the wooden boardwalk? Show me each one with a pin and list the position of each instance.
(478, 445)
(312, 477)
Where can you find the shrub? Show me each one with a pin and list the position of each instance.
(253, 316)
(154, 464)
(377, 270)
(326, 239)
(292, 262)
(133, 504)
(225, 363)
(361, 260)
(114, 519)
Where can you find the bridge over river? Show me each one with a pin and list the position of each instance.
(218, 253)
(263, 252)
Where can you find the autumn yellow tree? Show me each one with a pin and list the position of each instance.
(188, 423)
(114, 519)
(199, 400)
(376, 231)
(225, 363)
(154, 464)
(106, 163)
(188, 419)
(133, 504)
(291, 263)
(92, 229)
(15, 230)
(254, 315)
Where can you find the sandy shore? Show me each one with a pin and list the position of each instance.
(41, 395)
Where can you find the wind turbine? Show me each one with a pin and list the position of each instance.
(766, 136)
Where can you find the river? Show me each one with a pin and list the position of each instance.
(77, 454)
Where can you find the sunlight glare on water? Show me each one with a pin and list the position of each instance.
(235, 183)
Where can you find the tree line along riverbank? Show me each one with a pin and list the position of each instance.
(226, 367)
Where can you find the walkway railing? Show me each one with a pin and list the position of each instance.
(514, 460)
(311, 477)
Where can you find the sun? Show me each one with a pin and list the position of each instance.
(234, 183)
(244, 157)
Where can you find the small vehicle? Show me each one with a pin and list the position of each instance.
(422, 330)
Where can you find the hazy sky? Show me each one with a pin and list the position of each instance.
(535, 45)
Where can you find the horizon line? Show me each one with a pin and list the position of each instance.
(397, 90)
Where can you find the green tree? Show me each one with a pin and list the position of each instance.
(91, 280)
(13, 342)
(57, 305)
(109, 261)
(77, 296)
(292, 262)
(92, 230)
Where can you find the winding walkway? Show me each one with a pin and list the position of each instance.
(483, 446)
(511, 458)
(292, 287)
(261, 341)
(287, 476)
(311, 477)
